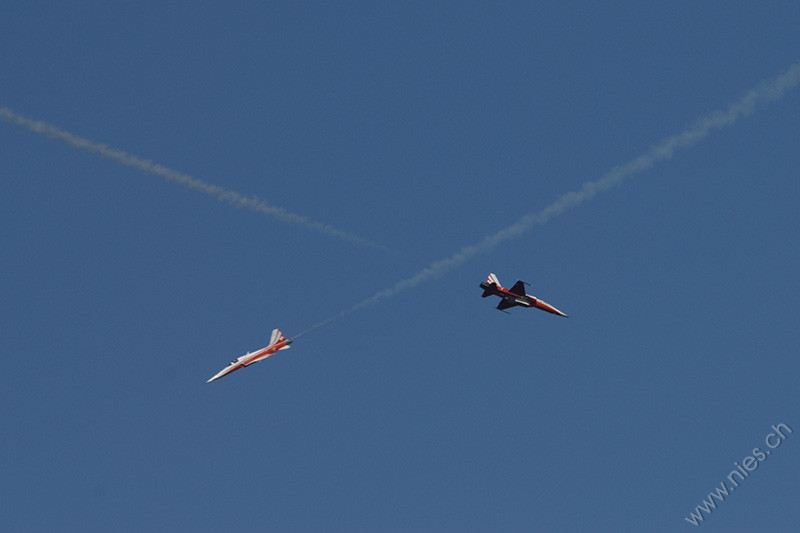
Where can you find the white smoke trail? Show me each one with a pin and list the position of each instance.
(236, 199)
(766, 91)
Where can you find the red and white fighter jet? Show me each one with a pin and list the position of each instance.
(276, 342)
(514, 296)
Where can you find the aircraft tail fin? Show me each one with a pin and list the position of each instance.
(493, 279)
(277, 337)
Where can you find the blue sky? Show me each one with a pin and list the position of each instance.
(422, 127)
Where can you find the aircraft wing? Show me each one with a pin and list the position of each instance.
(505, 304)
(518, 288)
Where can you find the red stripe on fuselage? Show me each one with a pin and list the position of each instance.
(544, 306)
(264, 352)
(508, 295)
(269, 350)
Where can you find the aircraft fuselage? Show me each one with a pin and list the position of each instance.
(254, 357)
(513, 299)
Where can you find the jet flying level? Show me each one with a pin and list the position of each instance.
(514, 296)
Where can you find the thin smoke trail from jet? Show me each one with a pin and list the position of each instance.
(767, 91)
(236, 199)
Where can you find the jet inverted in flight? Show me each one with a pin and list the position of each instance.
(277, 342)
(514, 296)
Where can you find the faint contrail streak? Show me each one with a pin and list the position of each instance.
(252, 203)
(766, 91)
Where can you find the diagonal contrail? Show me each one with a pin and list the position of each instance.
(767, 91)
(252, 203)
